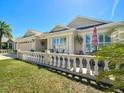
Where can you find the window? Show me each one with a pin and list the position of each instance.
(88, 47)
(101, 37)
(54, 41)
(59, 41)
(107, 38)
(87, 38)
(88, 43)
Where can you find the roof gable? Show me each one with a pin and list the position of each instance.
(31, 33)
(59, 28)
(84, 22)
(4, 39)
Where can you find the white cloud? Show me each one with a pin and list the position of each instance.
(116, 2)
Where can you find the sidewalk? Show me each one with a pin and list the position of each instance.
(7, 56)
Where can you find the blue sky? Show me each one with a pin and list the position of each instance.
(43, 15)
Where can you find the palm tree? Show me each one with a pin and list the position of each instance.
(6, 31)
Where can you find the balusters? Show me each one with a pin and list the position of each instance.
(88, 66)
(22, 57)
(96, 67)
(74, 64)
(51, 59)
(40, 58)
(48, 59)
(81, 66)
(106, 65)
(59, 60)
(43, 59)
(63, 62)
(19, 55)
(58, 65)
(36, 58)
(31, 57)
(68, 64)
(54, 62)
(25, 56)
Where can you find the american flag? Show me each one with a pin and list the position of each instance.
(94, 37)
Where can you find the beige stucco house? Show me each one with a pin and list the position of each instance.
(63, 39)
(7, 43)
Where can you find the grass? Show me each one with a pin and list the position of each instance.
(19, 77)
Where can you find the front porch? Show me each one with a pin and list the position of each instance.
(59, 42)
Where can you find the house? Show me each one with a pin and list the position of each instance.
(63, 39)
(7, 43)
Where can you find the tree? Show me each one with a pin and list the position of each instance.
(114, 54)
(5, 30)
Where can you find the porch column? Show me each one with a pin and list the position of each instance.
(49, 43)
(84, 44)
(67, 44)
(71, 44)
(33, 44)
(17, 45)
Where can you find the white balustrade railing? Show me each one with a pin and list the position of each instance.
(3, 51)
(83, 64)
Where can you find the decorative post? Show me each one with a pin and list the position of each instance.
(68, 64)
(88, 66)
(51, 59)
(96, 67)
(81, 66)
(58, 65)
(54, 63)
(74, 64)
(63, 62)
(106, 65)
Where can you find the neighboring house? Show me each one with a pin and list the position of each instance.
(7, 43)
(118, 36)
(62, 39)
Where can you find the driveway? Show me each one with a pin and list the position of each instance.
(7, 56)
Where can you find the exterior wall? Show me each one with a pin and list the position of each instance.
(41, 45)
(38, 45)
(118, 36)
(25, 44)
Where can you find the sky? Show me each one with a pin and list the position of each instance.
(43, 15)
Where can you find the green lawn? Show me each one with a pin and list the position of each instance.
(19, 77)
